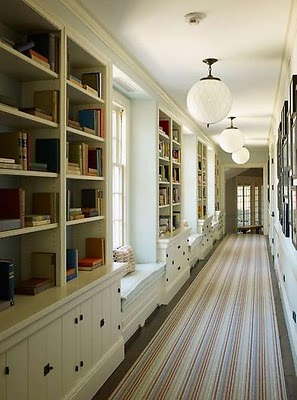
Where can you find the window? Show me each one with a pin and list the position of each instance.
(118, 172)
(248, 205)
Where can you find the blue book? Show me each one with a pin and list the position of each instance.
(7, 280)
(88, 118)
(71, 258)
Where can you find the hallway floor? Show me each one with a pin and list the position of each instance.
(143, 336)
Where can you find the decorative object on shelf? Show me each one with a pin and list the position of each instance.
(241, 156)
(231, 139)
(209, 100)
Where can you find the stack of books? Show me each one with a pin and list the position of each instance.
(95, 254)
(37, 219)
(33, 286)
(6, 283)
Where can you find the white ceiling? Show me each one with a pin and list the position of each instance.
(247, 36)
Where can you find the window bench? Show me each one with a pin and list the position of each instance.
(140, 295)
(253, 228)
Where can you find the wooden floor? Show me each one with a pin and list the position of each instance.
(142, 337)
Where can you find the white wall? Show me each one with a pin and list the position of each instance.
(285, 255)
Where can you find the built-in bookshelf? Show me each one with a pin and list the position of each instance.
(60, 328)
(169, 164)
(52, 121)
(85, 151)
(201, 180)
(217, 183)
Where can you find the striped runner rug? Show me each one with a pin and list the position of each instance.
(221, 340)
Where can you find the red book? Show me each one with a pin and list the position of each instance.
(164, 124)
(12, 204)
(89, 262)
(32, 52)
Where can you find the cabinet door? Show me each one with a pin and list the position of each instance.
(97, 325)
(45, 362)
(115, 311)
(85, 325)
(77, 345)
(70, 339)
(15, 372)
(106, 329)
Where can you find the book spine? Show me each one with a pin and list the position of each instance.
(7, 281)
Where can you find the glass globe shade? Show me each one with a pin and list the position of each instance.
(231, 140)
(241, 156)
(209, 100)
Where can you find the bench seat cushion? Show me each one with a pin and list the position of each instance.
(134, 282)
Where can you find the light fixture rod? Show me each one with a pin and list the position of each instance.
(231, 126)
(209, 62)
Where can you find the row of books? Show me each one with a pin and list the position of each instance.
(82, 160)
(176, 155)
(163, 196)
(90, 81)
(16, 152)
(42, 48)
(90, 121)
(92, 204)
(94, 257)
(12, 209)
(164, 149)
(45, 105)
(164, 173)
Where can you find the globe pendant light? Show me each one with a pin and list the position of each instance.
(231, 139)
(241, 156)
(209, 100)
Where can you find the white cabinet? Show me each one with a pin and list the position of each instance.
(45, 362)
(174, 251)
(106, 320)
(76, 344)
(14, 372)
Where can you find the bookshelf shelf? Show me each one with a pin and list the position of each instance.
(76, 134)
(28, 173)
(78, 95)
(25, 231)
(85, 177)
(12, 117)
(164, 206)
(17, 65)
(164, 160)
(164, 183)
(84, 220)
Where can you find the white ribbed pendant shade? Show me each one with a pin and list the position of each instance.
(209, 100)
(241, 156)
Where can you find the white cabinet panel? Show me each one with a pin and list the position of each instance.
(45, 362)
(77, 345)
(14, 373)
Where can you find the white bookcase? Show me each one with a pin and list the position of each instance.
(170, 159)
(217, 183)
(195, 190)
(36, 328)
(202, 180)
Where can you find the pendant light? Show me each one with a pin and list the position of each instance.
(231, 139)
(209, 100)
(241, 156)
